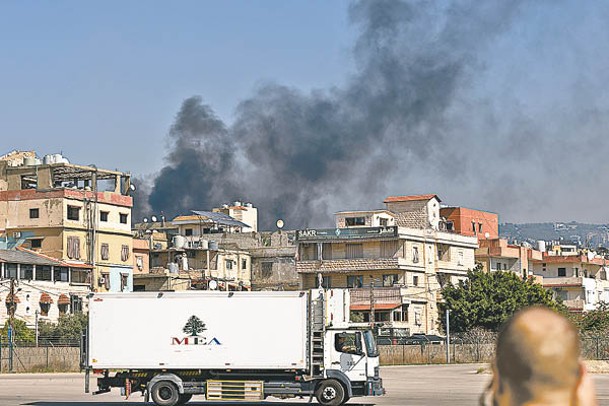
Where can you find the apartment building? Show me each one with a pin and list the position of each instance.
(498, 255)
(578, 279)
(44, 287)
(71, 213)
(394, 260)
(481, 224)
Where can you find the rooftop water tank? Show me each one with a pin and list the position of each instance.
(178, 241)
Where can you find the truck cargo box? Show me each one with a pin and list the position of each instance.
(198, 330)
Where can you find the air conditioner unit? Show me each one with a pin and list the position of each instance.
(17, 234)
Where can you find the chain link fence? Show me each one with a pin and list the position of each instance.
(50, 354)
(468, 350)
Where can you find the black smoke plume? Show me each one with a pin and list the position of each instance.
(300, 156)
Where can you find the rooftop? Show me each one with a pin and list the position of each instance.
(412, 198)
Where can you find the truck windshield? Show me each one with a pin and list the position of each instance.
(370, 344)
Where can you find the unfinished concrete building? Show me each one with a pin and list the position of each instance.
(69, 212)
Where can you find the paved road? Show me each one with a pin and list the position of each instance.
(406, 385)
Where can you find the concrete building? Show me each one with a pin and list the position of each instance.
(498, 255)
(71, 213)
(395, 271)
(580, 280)
(45, 288)
(475, 223)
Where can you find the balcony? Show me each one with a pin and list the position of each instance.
(346, 265)
(385, 298)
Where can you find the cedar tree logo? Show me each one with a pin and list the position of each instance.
(193, 327)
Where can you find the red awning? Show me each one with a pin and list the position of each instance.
(63, 299)
(46, 298)
(377, 306)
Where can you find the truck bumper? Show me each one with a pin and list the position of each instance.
(374, 387)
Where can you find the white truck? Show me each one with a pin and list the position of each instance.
(229, 346)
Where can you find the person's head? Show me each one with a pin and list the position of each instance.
(538, 360)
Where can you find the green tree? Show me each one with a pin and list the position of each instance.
(69, 328)
(21, 332)
(194, 326)
(487, 299)
(594, 322)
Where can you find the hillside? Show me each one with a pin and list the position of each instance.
(586, 235)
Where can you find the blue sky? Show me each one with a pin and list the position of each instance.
(102, 81)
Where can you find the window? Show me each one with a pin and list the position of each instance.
(61, 274)
(73, 247)
(244, 264)
(474, 227)
(350, 343)
(355, 281)
(326, 282)
(123, 218)
(562, 271)
(73, 213)
(139, 262)
(79, 275)
(43, 273)
(229, 264)
(103, 216)
(308, 252)
(36, 243)
(390, 280)
(125, 252)
(415, 280)
(26, 272)
(104, 280)
(460, 259)
(443, 252)
(105, 251)
(34, 213)
(388, 248)
(479, 227)
(355, 221)
(576, 272)
(354, 251)
(124, 282)
(383, 222)
(188, 232)
(10, 271)
(267, 269)
(76, 304)
(415, 254)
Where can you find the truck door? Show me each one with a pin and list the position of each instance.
(348, 356)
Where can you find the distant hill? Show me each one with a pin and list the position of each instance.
(581, 234)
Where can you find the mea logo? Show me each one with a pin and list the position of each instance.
(193, 327)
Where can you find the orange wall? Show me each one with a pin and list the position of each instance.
(462, 219)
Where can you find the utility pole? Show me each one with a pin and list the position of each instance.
(447, 336)
(11, 326)
(372, 318)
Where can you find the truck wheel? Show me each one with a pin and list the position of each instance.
(165, 393)
(330, 393)
(185, 398)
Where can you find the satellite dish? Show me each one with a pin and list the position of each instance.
(132, 187)
(145, 219)
(213, 285)
(486, 235)
(280, 224)
(153, 218)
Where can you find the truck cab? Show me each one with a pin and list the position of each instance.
(352, 357)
